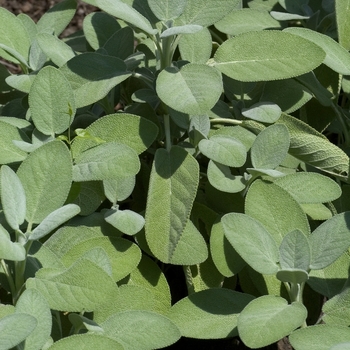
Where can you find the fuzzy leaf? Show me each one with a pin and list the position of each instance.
(252, 242)
(191, 85)
(293, 276)
(45, 191)
(264, 112)
(13, 198)
(342, 11)
(119, 189)
(126, 221)
(186, 29)
(167, 9)
(282, 56)
(209, 314)
(10, 250)
(269, 318)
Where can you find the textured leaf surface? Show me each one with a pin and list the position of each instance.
(8, 249)
(209, 314)
(126, 221)
(252, 242)
(191, 85)
(172, 189)
(244, 58)
(45, 191)
(263, 112)
(342, 11)
(153, 331)
(269, 318)
(167, 9)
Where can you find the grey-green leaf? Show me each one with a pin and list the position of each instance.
(268, 319)
(10, 250)
(342, 11)
(265, 112)
(167, 9)
(252, 242)
(13, 198)
(244, 58)
(126, 221)
(191, 85)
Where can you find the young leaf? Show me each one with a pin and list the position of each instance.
(126, 221)
(119, 189)
(295, 251)
(8, 249)
(15, 328)
(14, 36)
(330, 240)
(191, 85)
(196, 48)
(172, 189)
(205, 12)
(224, 149)
(269, 318)
(53, 220)
(185, 29)
(154, 331)
(264, 112)
(125, 12)
(243, 58)
(87, 341)
(221, 178)
(342, 11)
(33, 303)
(276, 209)
(83, 286)
(246, 20)
(129, 129)
(93, 75)
(308, 187)
(270, 147)
(292, 275)
(106, 161)
(319, 337)
(13, 198)
(209, 314)
(51, 115)
(252, 242)
(56, 19)
(45, 192)
(166, 10)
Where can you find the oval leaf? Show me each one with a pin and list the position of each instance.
(264, 112)
(126, 221)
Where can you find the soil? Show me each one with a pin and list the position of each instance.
(35, 9)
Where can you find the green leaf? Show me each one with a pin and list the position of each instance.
(84, 286)
(13, 35)
(121, 43)
(342, 11)
(87, 341)
(337, 57)
(252, 242)
(205, 12)
(313, 148)
(244, 58)
(172, 189)
(136, 329)
(126, 221)
(123, 254)
(9, 152)
(98, 28)
(209, 314)
(270, 147)
(15, 328)
(9, 250)
(33, 303)
(264, 112)
(224, 149)
(292, 275)
(191, 85)
(57, 50)
(295, 251)
(330, 240)
(185, 29)
(51, 115)
(246, 20)
(22, 82)
(221, 178)
(276, 209)
(196, 48)
(125, 12)
(57, 18)
(319, 337)
(167, 9)
(45, 191)
(106, 161)
(54, 220)
(308, 187)
(13, 198)
(268, 319)
(129, 129)
(93, 75)
(225, 257)
(119, 189)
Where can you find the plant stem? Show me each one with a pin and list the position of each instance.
(8, 277)
(167, 132)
